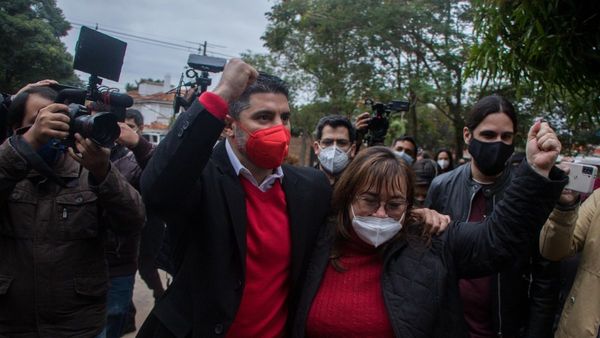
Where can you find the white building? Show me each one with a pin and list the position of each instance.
(155, 102)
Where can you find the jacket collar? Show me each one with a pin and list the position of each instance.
(65, 167)
(498, 185)
(221, 160)
(240, 169)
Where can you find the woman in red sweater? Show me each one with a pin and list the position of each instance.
(375, 272)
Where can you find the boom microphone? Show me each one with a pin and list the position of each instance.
(116, 99)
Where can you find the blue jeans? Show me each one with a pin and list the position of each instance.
(118, 302)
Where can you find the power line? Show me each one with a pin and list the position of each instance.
(208, 43)
(155, 42)
(120, 30)
(166, 43)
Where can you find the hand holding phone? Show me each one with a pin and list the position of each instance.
(581, 177)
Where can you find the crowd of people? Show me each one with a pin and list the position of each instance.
(380, 241)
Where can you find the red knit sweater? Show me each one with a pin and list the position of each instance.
(263, 311)
(350, 303)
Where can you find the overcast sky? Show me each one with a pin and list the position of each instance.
(229, 26)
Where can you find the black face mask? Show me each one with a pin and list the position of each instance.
(490, 157)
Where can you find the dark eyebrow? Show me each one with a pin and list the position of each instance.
(264, 111)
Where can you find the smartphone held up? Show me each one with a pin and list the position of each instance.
(581, 177)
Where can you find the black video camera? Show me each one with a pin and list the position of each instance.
(101, 56)
(199, 82)
(379, 121)
(102, 128)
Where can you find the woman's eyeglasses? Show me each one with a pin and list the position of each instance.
(370, 204)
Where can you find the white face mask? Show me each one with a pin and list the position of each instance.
(404, 156)
(375, 230)
(333, 159)
(443, 163)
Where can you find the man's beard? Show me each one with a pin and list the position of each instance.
(241, 138)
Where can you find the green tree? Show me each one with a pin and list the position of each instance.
(30, 32)
(424, 45)
(548, 50)
(322, 38)
(413, 50)
(443, 41)
(437, 127)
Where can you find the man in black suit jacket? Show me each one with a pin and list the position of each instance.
(241, 223)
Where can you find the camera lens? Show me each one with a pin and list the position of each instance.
(105, 129)
(102, 128)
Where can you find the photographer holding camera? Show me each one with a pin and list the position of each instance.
(55, 209)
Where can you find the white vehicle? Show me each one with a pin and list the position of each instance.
(154, 137)
(589, 160)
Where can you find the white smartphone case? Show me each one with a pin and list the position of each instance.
(581, 177)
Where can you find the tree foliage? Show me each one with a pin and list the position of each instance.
(413, 50)
(322, 38)
(30, 31)
(548, 50)
(543, 56)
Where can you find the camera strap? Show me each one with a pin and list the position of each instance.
(35, 160)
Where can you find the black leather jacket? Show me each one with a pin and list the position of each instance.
(526, 294)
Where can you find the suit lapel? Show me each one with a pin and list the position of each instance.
(236, 207)
(235, 196)
(296, 210)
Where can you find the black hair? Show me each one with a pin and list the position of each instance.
(425, 154)
(264, 84)
(16, 111)
(335, 121)
(425, 171)
(406, 138)
(489, 105)
(136, 116)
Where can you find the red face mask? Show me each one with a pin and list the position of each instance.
(267, 148)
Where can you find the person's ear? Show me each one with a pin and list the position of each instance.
(352, 151)
(316, 148)
(467, 135)
(228, 130)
